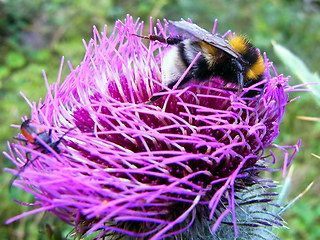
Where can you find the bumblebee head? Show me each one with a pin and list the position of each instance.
(250, 55)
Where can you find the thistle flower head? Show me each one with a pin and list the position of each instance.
(147, 170)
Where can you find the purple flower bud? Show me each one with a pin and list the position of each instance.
(147, 170)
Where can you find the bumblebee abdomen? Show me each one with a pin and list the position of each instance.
(256, 70)
(173, 67)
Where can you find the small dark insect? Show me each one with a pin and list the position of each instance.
(234, 60)
(32, 132)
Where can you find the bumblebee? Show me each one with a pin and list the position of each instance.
(234, 60)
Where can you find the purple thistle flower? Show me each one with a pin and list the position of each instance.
(150, 170)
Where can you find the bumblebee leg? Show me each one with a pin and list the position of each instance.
(240, 73)
(169, 40)
(240, 82)
(155, 98)
(173, 41)
(152, 37)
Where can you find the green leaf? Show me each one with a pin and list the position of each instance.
(15, 60)
(299, 69)
(4, 72)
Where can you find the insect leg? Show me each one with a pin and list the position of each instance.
(169, 40)
(155, 98)
(240, 73)
(240, 82)
(54, 145)
(20, 139)
(28, 162)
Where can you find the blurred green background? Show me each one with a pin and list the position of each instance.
(35, 34)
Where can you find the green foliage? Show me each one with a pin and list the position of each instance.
(299, 69)
(304, 221)
(35, 34)
(15, 60)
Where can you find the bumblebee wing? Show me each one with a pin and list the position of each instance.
(221, 44)
(191, 30)
(187, 29)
